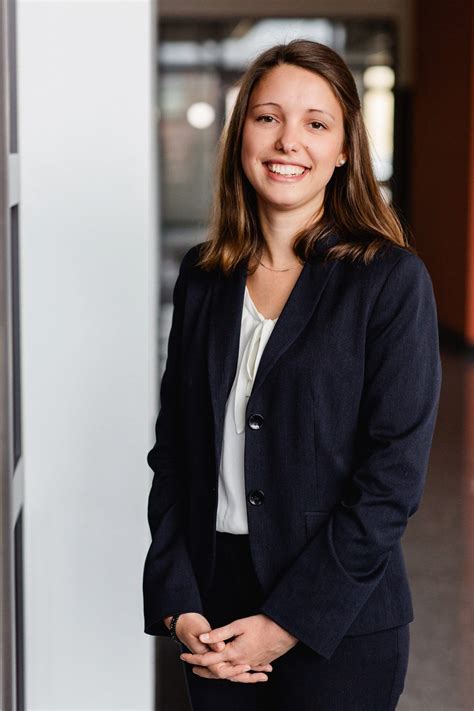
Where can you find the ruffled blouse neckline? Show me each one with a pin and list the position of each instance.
(253, 309)
(250, 360)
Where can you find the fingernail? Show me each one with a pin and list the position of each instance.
(204, 637)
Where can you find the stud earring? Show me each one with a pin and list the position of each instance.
(342, 161)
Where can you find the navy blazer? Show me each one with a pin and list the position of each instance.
(340, 423)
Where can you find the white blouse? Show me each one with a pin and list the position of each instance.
(255, 331)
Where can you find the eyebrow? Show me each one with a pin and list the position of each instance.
(273, 103)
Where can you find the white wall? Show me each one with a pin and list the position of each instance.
(88, 283)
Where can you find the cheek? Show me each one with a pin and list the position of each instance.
(249, 146)
(246, 150)
(324, 158)
(247, 165)
(325, 152)
(244, 159)
(249, 157)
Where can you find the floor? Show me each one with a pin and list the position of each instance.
(439, 552)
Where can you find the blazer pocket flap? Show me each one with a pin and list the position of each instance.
(314, 521)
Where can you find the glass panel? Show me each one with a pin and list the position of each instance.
(15, 301)
(19, 623)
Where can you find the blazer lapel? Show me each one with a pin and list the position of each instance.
(296, 313)
(223, 346)
(224, 328)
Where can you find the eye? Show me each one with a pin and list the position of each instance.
(263, 118)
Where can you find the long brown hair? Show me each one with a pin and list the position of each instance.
(353, 204)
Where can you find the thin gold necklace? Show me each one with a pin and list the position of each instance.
(277, 270)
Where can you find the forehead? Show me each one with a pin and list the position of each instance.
(295, 87)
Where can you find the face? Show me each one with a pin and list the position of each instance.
(297, 125)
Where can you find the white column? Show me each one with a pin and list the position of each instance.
(88, 284)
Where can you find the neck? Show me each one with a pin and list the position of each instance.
(279, 230)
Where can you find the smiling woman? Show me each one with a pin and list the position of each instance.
(297, 106)
(286, 474)
(283, 143)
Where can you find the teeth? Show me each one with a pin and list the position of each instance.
(285, 169)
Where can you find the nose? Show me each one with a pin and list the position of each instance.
(287, 139)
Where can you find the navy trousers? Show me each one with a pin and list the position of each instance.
(365, 673)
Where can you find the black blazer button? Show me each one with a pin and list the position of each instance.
(256, 497)
(255, 421)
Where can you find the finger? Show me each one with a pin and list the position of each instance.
(198, 648)
(203, 660)
(220, 633)
(233, 669)
(263, 667)
(204, 672)
(216, 646)
(226, 670)
(248, 678)
(208, 673)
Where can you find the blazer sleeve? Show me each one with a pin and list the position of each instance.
(169, 583)
(325, 587)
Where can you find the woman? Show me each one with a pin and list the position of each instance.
(297, 411)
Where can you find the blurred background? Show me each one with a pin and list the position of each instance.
(110, 115)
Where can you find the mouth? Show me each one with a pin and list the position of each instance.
(285, 177)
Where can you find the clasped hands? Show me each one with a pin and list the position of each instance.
(253, 642)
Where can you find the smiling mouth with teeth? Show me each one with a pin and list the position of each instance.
(283, 169)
